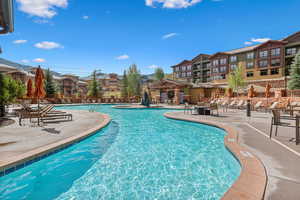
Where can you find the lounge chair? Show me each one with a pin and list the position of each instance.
(239, 104)
(258, 106)
(232, 104)
(44, 113)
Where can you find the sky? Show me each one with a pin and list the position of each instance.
(79, 36)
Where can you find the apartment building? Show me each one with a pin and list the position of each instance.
(264, 63)
(183, 71)
(201, 68)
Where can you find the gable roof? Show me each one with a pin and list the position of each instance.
(200, 57)
(291, 36)
(185, 62)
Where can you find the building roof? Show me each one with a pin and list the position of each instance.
(200, 57)
(185, 62)
(6, 16)
(241, 50)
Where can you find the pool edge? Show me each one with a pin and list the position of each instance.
(24, 159)
(251, 183)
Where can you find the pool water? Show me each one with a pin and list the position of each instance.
(139, 155)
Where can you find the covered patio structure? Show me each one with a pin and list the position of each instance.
(170, 91)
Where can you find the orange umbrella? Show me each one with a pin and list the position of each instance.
(29, 88)
(268, 90)
(39, 92)
(251, 92)
(229, 92)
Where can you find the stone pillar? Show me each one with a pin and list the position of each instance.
(177, 96)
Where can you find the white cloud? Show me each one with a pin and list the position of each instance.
(256, 40)
(41, 8)
(123, 57)
(19, 41)
(153, 66)
(172, 3)
(248, 43)
(48, 45)
(85, 17)
(260, 40)
(39, 60)
(169, 35)
(25, 61)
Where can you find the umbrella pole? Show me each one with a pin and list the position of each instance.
(38, 100)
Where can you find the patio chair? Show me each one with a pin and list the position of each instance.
(214, 107)
(276, 121)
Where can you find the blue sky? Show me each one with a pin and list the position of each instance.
(78, 36)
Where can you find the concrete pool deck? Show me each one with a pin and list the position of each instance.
(279, 156)
(20, 143)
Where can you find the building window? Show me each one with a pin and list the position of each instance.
(215, 70)
(215, 62)
(177, 75)
(263, 63)
(189, 74)
(233, 67)
(189, 67)
(275, 62)
(263, 54)
(183, 75)
(274, 71)
(223, 76)
(250, 55)
(177, 69)
(250, 65)
(250, 74)
(291, 51)
(264, 72)
(275, 52)
(223, 61)
(223, 69)
(233, 58)
(183, 68)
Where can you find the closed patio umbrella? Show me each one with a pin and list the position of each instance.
(251, 92)
(268, 90)
(229, 92)
(29, 88)
(39, 92)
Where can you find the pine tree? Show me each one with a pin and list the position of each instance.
(294, 82)
(124, 92)
(159, 74)
(94, 86)
(50, 87)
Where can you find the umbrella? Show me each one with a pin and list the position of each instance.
(251, 92)
(39, 92)
(229, 92)
(268, 90)
(29, 88)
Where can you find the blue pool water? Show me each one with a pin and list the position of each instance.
(139, 155)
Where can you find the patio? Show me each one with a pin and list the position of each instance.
(280, 156)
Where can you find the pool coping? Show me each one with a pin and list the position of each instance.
(251, 183)
(16, 162)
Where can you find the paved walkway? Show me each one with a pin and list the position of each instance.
(15, 139)
(282, 165)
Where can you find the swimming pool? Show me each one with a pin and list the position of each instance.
(140, 155)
